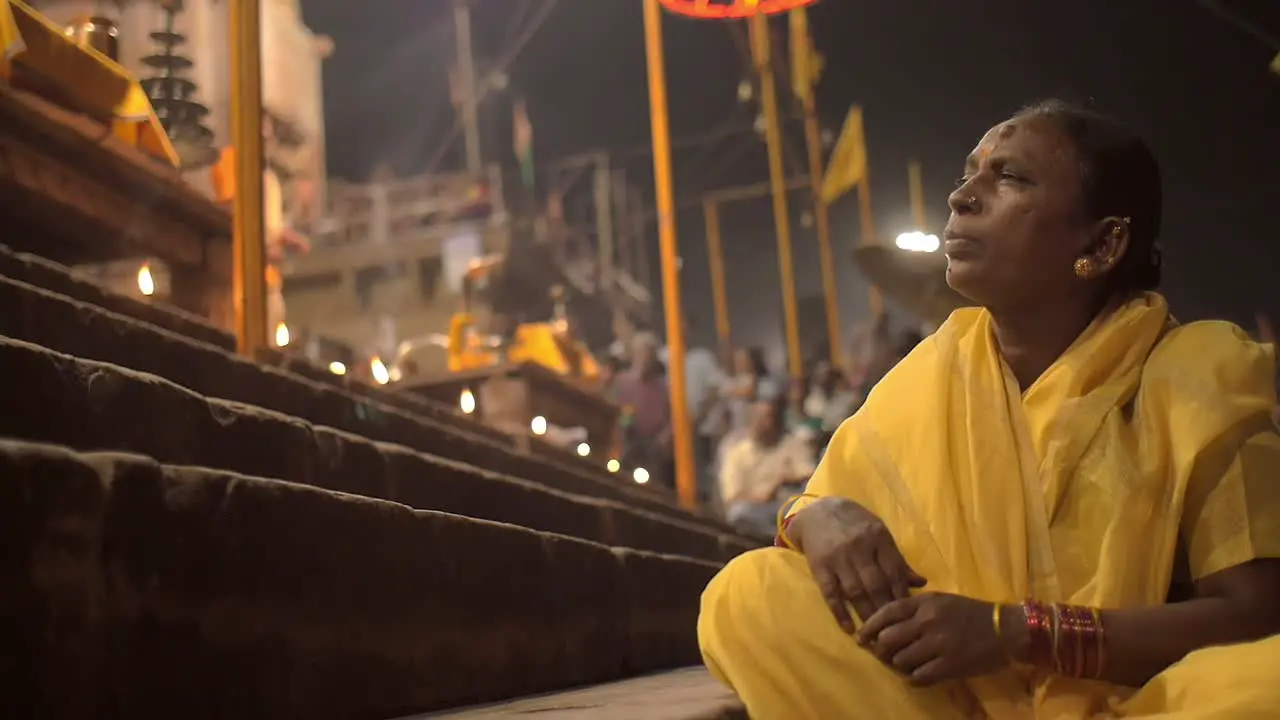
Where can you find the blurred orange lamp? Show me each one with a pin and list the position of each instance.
(731, 9)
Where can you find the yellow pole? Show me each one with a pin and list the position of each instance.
(249, 283)
(813, 139)
(715, 251)
(682, 435)
(869, 232)
(782, 220)
(916, 185)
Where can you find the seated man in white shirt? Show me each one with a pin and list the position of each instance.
(758, 467)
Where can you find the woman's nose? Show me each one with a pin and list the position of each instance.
(963, 200)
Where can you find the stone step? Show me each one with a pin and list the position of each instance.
(136, 589)
(60, 279)
(66, 325)
(89, 405)
(684, 694)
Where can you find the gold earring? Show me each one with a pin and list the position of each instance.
(1084, 268)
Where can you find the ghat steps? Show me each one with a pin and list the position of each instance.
(184, 533)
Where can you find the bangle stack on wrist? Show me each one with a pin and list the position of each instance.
(1066, 639)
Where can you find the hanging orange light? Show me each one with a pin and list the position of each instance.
(731, 9)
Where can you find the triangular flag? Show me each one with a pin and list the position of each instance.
(806, 62)
(848, 165)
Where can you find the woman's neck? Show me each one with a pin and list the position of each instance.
(1030, 341)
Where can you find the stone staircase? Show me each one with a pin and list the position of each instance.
(185, 533)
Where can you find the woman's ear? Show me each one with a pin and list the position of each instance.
(1111, 243)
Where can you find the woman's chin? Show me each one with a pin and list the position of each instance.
(964, 277)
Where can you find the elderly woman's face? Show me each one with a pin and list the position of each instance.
(1017, 224)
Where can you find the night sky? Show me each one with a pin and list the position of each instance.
(932, 76)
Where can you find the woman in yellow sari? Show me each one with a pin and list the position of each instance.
(997, 532)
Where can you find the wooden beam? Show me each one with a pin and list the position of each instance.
(747, 192)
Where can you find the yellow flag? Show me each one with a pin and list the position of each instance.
(806, 63)
(848, 165)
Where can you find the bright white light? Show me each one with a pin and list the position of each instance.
(379, 370)
(539, 425)
(916, 241)
(613, 465)
(337, 368)
(282, 335)
(467, 402)
(641, 476)
(584, 449)
(146, 283)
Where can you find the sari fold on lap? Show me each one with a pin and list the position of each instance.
(1143, 438)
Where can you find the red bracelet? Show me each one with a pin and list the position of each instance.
(777, 539)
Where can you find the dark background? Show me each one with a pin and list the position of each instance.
(932, 76)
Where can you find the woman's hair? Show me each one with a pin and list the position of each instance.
(1120, 176)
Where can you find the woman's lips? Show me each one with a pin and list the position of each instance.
(959, 247)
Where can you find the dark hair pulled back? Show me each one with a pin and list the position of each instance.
(1120, 177)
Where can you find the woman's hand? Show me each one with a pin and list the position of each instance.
(853, 558)
(934, 637)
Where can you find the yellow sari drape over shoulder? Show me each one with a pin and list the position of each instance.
(1144, 438)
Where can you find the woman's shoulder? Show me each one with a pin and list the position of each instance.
(1204, 377)
(1213, 352)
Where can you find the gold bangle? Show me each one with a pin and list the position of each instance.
(1100, 638)
(782, 515)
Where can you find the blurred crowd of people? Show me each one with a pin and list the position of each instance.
(757, 437)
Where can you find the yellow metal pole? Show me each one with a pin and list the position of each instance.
(813, 139)
(782, 220)
(869, 234)
(249, 284)
(916, 185)
(682, 434)
(715, 251)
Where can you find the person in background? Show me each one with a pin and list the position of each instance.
(703, 381)
(749, 382)
(758, 467)
(831, 399)
(643, 392)
(798, 415)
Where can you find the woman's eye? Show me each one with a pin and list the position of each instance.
(960, 181)
(1006, 175)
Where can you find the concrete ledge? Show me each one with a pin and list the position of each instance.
(685, 694)
(133, 589)
(82, 330)
(89, 405)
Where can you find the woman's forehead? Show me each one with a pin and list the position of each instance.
(1034, 139)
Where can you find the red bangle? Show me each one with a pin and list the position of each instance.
(777, 539)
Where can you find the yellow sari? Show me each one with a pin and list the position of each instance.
(1144, 439)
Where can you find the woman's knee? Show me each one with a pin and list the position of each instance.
(740, 603)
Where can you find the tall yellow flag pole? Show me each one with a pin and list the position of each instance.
(682, 435)
(804, 61)
(249, 282)
(759, 25)
(849, 169)
(715, 252)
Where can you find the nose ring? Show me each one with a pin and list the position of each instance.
(971, 200)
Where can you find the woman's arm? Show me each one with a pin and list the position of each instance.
(1235, 605)
(1239, 604)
